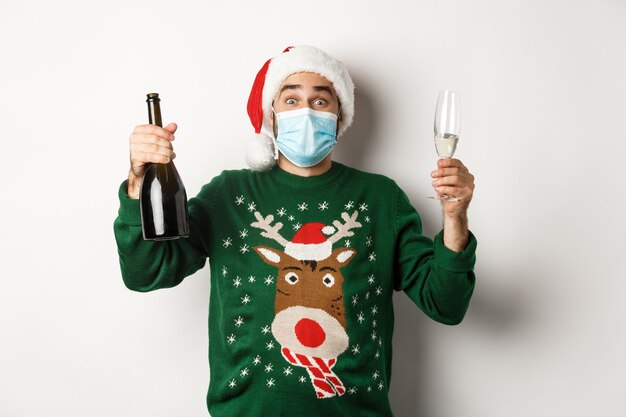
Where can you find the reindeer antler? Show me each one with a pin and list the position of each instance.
(270, 232)
(343, 230)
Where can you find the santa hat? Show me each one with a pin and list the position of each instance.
(310, 242)
(261, 152)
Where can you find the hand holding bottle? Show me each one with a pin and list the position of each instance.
(148, 144)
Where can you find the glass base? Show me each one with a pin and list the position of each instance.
(444, 197)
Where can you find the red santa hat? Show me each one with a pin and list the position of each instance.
(261, 152)
(310, 242)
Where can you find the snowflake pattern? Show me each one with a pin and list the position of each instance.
(265, 329)
(244, 372)
(291, 218)
(372, 256)
(231, 339)
(363, 207)
(270, 345)
(269, 279)
(270, 383)
(224, 271)
(360, 317)
(287, 371)
(356, 349)
(227, 242)
(347, 243)
(239, 200)
(238, 321)
(303, 206)
(379, 290)
(281, 212)
(243, 233)
(349, 205)
(371, 279)
(251, 278)
(244, 249)
(368, 241)
(323, 206)
(251, 207)
(355, 299)
(297, 226)
(269, 368)
(245, 299)
(237, 282)
(256, 360)
(302, 379)
(232, 383)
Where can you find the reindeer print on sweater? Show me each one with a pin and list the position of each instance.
(310, 324)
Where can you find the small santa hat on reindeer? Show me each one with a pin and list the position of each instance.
(261, 150)
(310, 242)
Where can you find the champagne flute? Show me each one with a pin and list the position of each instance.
(447, 129)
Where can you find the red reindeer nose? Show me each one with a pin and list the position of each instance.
(310, 333)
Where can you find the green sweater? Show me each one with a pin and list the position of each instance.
(302, 273)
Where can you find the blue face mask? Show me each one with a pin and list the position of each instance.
(306, 136)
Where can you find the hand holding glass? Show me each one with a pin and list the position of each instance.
(447, 129)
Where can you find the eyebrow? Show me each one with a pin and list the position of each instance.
(328, 268)
(292, 267)
(299, 87)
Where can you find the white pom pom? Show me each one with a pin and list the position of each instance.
(328, 230)
(260, 152)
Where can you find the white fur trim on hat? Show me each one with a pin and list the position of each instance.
(309, 251)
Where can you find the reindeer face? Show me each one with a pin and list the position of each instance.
(309, 305)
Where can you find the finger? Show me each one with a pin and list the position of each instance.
(171, 127)
(154, 130)
(151, 148)
(150, 139)
(453, 180)
(449, 162)
(145, 157)
(442, 172)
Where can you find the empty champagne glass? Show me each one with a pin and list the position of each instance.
(447, 129)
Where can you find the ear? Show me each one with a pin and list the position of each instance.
(343, 256)
(269, 255)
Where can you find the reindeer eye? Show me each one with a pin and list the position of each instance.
(328, 280)
(291, 277)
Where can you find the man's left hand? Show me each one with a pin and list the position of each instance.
(454, 179)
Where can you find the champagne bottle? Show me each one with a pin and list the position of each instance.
(163, 198)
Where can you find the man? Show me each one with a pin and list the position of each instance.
(305, 252)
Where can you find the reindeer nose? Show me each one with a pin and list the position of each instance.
(310, 333)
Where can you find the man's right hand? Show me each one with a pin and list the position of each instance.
(148, 144)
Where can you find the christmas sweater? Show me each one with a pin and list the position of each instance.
(302, 275)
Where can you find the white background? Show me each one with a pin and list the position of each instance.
(542, 87)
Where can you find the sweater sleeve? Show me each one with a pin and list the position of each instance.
(438, 280)
(149, 265)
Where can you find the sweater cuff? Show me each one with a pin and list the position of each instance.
(453, 261)
(129, 211)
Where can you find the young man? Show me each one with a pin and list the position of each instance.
(305, 252)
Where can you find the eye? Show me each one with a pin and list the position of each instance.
(291, 277)
(290, 101)
(320, 102)
(328, 280)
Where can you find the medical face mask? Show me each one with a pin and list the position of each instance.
(306, 136)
